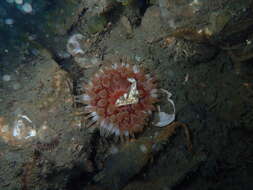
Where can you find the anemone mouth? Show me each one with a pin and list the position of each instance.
(120, 99)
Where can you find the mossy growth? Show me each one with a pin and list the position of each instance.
(96, 24)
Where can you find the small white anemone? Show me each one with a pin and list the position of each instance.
(23, 128)
(165, 119)
(73, 45)
(27, 8)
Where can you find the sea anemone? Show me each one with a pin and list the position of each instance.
(119, 99)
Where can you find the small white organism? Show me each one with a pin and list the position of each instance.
(76, 48)
(165, 119)
(27, 8)
(73, 45)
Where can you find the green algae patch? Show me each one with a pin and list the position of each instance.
(96, 24)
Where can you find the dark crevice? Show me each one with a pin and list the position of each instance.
(143, 5)
(74, 25)
(114, 14)
(81, 178)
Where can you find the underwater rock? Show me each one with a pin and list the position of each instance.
(129, 161)
(218, 21)
(132, 157)
(98, 7)
(96, 24)
(63, 17)
(175, 13)
(168, 181)
(37, 118)
(151, 21)
(126, 24)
